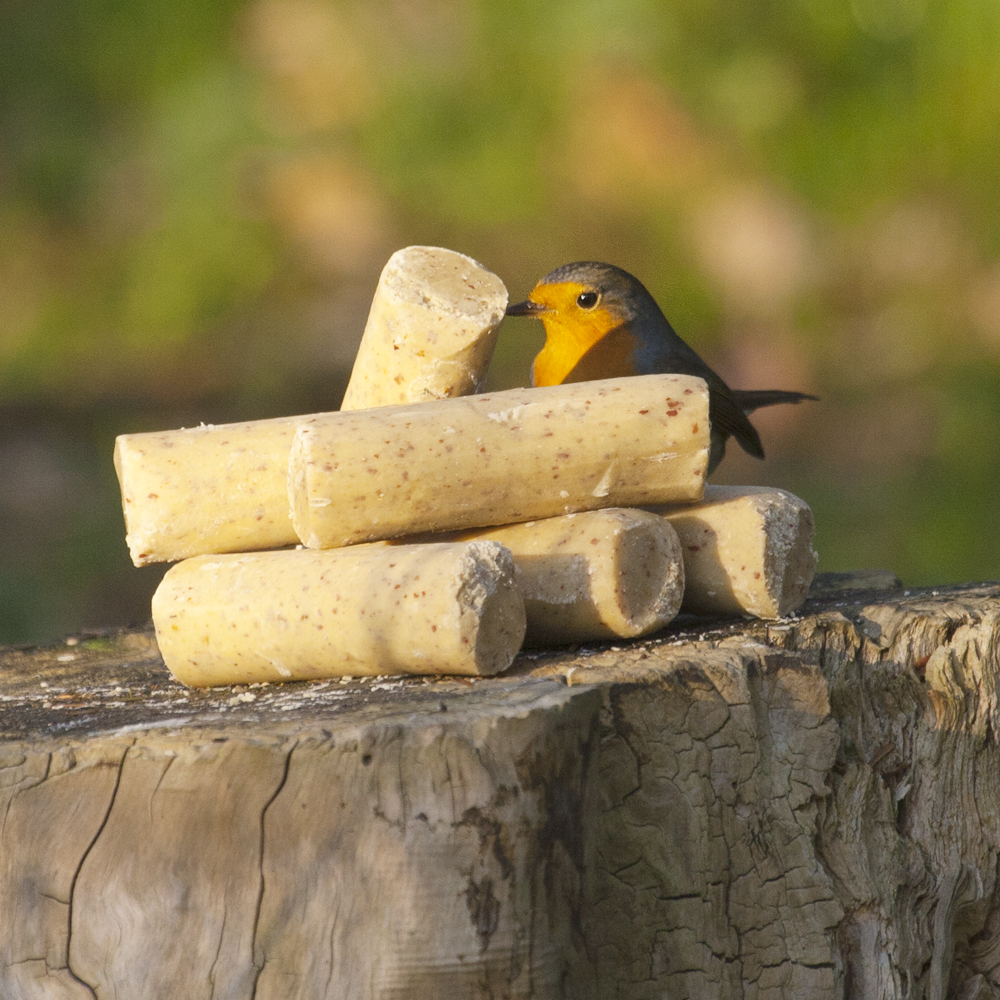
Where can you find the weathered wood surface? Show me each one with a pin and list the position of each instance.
(733, 809)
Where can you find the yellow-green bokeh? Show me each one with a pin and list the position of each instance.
(196, 200)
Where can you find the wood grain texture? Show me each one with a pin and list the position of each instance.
(734, 809)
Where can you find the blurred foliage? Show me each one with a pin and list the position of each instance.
(196, 200)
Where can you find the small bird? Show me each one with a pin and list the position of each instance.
(600, 322)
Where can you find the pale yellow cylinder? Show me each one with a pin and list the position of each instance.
(747, 550)
(499, 458)
(371, 609)
(602, 574)
(203, 489)
(431, 330)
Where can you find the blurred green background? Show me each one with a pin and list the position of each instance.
(196, 200)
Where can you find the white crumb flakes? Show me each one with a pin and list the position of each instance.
(510, 415)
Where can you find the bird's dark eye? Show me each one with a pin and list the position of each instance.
(587, 300)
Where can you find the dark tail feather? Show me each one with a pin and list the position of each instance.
(749, 400)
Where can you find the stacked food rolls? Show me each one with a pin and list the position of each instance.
(426, 528)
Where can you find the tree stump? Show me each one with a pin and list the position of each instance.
(730, 809)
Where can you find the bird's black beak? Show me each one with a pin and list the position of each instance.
(526, 308)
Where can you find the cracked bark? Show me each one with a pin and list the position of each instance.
(260, 960)
(76, 874)
(808, 809)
